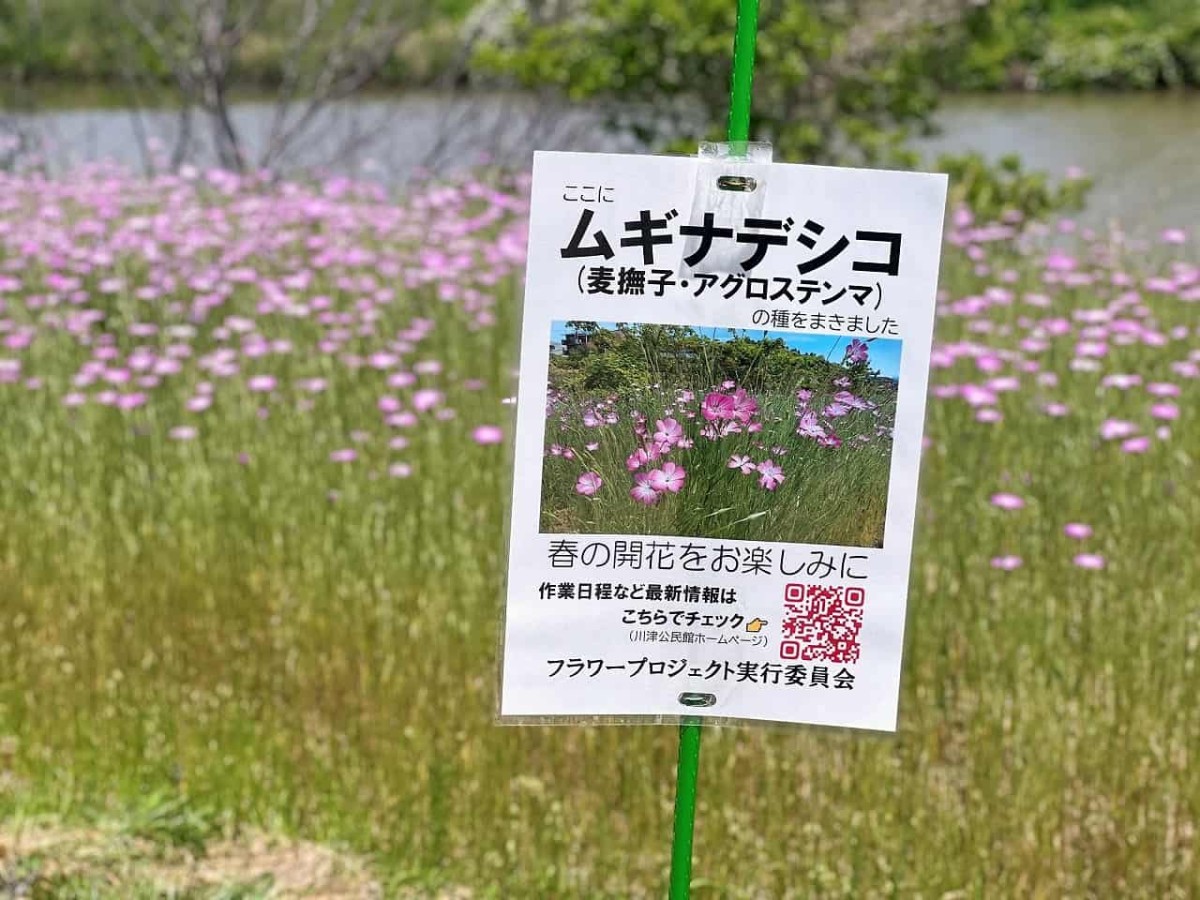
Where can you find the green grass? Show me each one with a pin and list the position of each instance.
(827, 496)
(176, 623)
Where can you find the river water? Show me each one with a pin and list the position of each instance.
(1142, 149)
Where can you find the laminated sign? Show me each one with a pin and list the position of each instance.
(722, 387)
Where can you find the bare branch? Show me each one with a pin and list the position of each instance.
(351, 58)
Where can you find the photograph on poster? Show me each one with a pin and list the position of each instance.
(716, 432)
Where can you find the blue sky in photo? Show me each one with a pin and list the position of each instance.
(884, 353)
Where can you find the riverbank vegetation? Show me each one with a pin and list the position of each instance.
(1056, 45)
(1038, 45)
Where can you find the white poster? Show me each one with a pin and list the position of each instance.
(718, 440)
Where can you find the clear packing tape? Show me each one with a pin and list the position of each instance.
(731, 186)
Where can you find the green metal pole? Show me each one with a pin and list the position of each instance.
(685, 808)
(687, 770)
(744, 39)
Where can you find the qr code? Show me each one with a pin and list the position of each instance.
(822, 622)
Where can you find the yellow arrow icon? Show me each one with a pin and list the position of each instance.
(755, 625)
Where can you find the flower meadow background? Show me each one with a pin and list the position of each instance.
(742, 438)
(254, 483)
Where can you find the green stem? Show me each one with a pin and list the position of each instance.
(745, 36)
(687, 771)
(685, 808)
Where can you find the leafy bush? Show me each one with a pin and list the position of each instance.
(1006, 191)
(1110, 47)
(1040, 45)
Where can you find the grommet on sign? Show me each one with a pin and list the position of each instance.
(697, 700)
(737, 183)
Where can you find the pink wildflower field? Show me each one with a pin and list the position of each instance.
(773, 444)
(255, 481)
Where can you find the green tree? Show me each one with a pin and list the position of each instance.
(842, 81)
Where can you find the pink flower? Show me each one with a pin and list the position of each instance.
(1120, 382)
(1060, 261)
(848, 399)
(856, 352)
(592, 447)
(1077, 530)
(1007, 501)
(976, 395)
(1111, 429)
(1091, 348)
(829, 441)
(426, 399)
(261, 384)
(637, 459)
(1056, 410)
(183, 433)
(668, 433)
(588, 484)
(1165, 411)
(346, 455)
(1135, 445)
(744, 406)
(1007, 563)
(1163, 389)
(399, 470)
(745, 463)
(1089, 561)
(835, 410)
(488, 434)
(770, 474)
(717, 407)
(642, 492)
(1173, 236)
(669, 478)
(809, 427)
